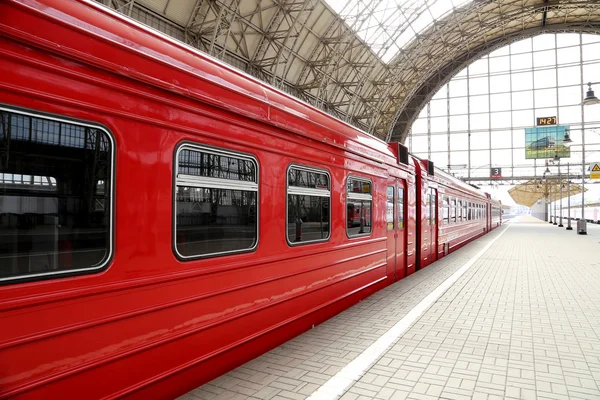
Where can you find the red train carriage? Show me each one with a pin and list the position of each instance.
(451, 213)
(165, 218)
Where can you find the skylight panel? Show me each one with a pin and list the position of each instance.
(387, 26)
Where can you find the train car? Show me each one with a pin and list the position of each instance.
(165, 218)
(591, 213)
(451, 213)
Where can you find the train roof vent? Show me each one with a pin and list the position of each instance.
(402, 154)
(430, 169)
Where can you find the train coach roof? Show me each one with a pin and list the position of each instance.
(244, 94)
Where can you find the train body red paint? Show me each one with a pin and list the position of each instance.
(161, 315)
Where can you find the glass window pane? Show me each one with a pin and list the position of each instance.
(500, 102)
(569, 96)
(55, 196)
(567, 39)
(480, 121)
(501, 139)
(419, 126)
(523, 118)
(205, 164)
(400, 208)
(439, 142)
(544, 59)
(501, 120)
(308, 218)
(211, 220)
(438, 107)
(480, 140)
(521, 46)
(308, 179)
(459, 105)
(479, 104)
(390, 208)
(522, 100)
(521, 62)
(544, 42)
(591, 52)
(478, 86)
(419, 144)
(545, 78)
(545, 98)
(459, 123)
(568, 55)
(358, 207)
(499, 64)
(500, 83)
(569, 76)
(522, 81)
(458, 87)
(359, 217)
(439, 124)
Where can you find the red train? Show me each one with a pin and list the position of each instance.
(165, 218)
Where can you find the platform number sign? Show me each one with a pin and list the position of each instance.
(595, 170)
(495, 172)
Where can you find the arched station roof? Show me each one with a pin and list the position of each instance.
(373, 63)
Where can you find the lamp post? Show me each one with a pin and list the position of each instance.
(589, 99)
(569, 228)
(560, 224)
(554, 193)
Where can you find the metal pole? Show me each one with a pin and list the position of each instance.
(554, 192)
(569, 228)
(560, 224)
(548, 201)
(581, 224)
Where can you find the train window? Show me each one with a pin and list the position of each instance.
(453, 212)
(400, 208)
(465, 210)
(390, 208)
(216, 197)
(359, 206)
(428, 209)
(308, 199)
(56, 186)
(446, 210)
(459, 211)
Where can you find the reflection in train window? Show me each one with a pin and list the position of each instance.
(55, 196)
(308, 200)
(359, 199)
(216, 197)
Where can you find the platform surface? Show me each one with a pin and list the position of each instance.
(515, 314)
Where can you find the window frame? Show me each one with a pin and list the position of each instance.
(111, 200)
(358, 196)
(189, 145)
(394, 202)
(446, 210)
(287, 192)
(402, 207)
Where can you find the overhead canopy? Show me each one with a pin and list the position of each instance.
(374, 64)
(527, 194)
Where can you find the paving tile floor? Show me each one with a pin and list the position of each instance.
(523, 322)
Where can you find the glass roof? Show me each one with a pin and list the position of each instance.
(388, 25)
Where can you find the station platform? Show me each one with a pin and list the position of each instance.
(514, 314)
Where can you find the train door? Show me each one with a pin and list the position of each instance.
(433, 228)
(391, 230)
(396, 232)
(401, 220)
(410, 226)
(488, 217)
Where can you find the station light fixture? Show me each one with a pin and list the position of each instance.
(590, 98)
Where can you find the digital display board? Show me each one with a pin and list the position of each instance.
(545, 121)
